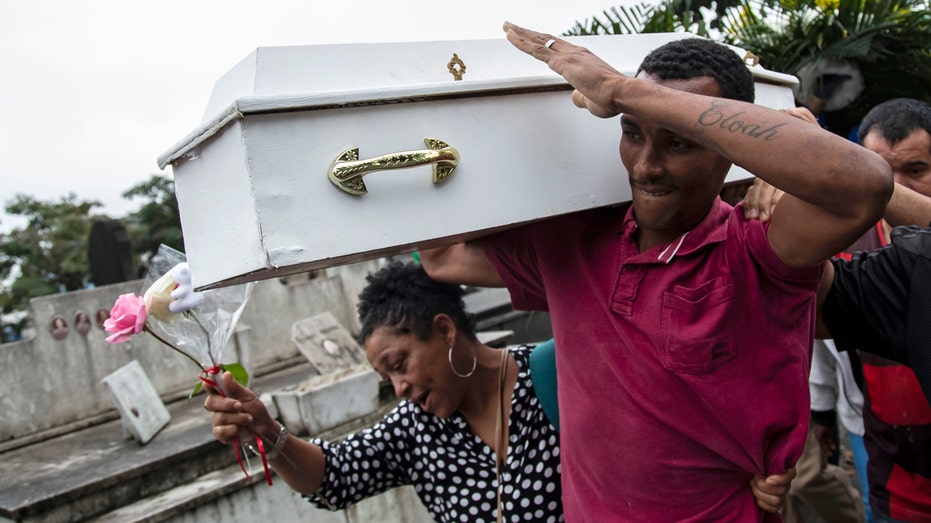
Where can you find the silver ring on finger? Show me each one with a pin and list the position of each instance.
(549, 43)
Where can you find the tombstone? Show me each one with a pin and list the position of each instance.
(346, 388)
(142, 412)
(326, 344)
(110, 253)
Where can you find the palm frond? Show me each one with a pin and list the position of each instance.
(616, 20)
(889, 41)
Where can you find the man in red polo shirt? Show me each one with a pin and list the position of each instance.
(684, 329)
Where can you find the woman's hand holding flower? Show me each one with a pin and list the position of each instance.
(170, 295)
(240, 410)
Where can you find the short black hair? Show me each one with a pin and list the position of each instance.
(697, 57)
(896, 119)
(402, 296)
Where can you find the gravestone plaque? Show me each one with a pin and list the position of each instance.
(326, 344)
(141, 409)
(102, 316)
(58, 326)
(82, 322)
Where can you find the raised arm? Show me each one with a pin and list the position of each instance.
(461, 263)
(908, 207)
(830, 181)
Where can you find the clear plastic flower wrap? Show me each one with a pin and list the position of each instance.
(195, 324)
(200, 332)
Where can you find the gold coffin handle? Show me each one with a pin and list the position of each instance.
(347, 169)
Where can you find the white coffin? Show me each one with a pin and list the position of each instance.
(252, 182)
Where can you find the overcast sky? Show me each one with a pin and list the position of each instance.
(92, 92)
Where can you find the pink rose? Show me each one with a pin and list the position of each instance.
(126, 318)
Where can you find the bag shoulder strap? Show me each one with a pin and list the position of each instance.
(501, 427)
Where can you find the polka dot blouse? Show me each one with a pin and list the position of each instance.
(452, 470)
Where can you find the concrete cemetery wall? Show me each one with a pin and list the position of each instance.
(47, 382)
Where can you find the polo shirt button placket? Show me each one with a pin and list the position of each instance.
(622, 300)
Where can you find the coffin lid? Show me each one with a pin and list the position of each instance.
(314, 77)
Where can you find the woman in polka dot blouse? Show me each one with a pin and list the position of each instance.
(441, 438)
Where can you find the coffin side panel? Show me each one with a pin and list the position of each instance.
(222, 233)
(523, 157)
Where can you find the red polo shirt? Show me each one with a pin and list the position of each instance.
(683, 370)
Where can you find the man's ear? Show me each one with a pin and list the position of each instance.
(445, 327)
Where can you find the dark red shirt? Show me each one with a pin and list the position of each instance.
(683, 370)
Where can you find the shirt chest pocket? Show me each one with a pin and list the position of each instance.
(698, 330)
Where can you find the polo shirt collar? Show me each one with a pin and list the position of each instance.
(710, 230)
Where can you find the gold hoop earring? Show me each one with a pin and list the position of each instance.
(474, 363)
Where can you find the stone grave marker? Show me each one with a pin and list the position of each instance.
(110, 253)
(141, 409)
(346, 387)
(326, 344)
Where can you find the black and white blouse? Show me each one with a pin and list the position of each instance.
(452, 470)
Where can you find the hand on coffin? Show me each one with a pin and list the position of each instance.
(461, 264)
(183, 297)
(595, 82)
(803, 113)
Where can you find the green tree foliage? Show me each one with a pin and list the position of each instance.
(664, 17)
(156, 221)
(48, 254)
(888, 41)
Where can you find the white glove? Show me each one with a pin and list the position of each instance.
(183, 297)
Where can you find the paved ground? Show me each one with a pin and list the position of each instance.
(86, 469)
